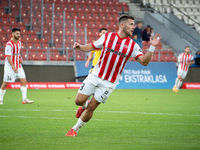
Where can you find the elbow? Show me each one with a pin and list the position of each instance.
(145, 63)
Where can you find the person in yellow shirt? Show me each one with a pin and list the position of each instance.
(97, 53)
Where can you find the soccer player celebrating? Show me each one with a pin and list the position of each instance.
(117, 49)
(185, 60)
(102, 31)
(13, 68)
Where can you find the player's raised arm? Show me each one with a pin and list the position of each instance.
(85, 48)
(144, 60)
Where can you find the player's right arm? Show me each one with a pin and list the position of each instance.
(179, 59)
(89, 58)
(89, 47)
(85, 48)
(8, 56)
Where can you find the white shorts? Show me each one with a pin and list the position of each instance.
(11, 76)
(182, 73)
(97, 86)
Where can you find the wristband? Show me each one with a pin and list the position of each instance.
(152, 48)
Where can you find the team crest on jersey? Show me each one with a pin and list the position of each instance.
(125, 46)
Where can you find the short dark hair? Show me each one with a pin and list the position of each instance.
(102, 29)
(187, 47)
(125, 17)
(148, 26)
(15, 29)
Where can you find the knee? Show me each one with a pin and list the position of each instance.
(23, 81)
(4, 85)
(180, 78)
(77, 102)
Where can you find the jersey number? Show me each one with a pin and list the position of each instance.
(104, 95)
(9, 78)
(82, 86)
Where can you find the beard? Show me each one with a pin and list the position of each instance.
(126, 32)
(16, 38)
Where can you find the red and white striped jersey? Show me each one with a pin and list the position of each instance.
(183, 60)
(115, 53)
(13, 49)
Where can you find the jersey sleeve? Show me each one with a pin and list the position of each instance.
(99, 43)
(8, 50)
(192, 58)
(136, 51)
(179, 57)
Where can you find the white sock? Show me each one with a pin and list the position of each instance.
(24, 92)
(176, 82)
(79, 125)
(179, 84)
(2, 92)
(85, 106)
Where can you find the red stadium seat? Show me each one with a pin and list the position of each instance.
(2, 54)
(174, 59)
(125, 7)
(163, 53)
(26, 35)
(42, 55)
(29, 44)
(159, 46)
(80, 56)
(163, 58)
(37, 44)
(24, 54)
(55, 56)
(45, 43)
(112, 7)
(119, 8)
(32, 55)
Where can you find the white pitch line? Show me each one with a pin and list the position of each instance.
(120, 112)
(133, 121)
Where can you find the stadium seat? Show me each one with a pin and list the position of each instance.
(125, 7)
(37, 44)
(55, 55)
(80, 56)
(155, 56)
(42, 55)
(174, 59)
(32, 55)
(24, 54)
(2, 54)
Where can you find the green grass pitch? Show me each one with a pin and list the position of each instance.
(130, 119)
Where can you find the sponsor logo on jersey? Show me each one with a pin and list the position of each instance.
(115, 52)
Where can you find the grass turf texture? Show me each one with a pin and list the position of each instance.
(130, 119)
